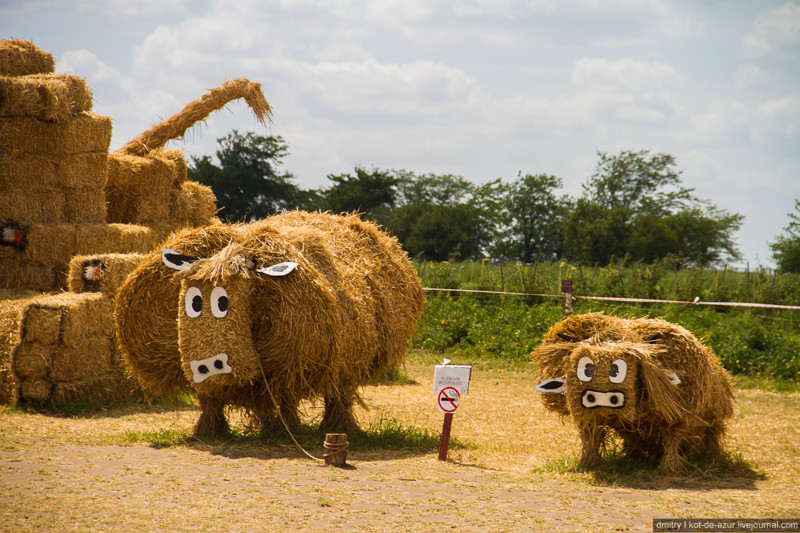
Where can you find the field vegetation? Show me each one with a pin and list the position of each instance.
(758, 345)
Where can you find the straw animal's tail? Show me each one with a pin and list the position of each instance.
(196, 111)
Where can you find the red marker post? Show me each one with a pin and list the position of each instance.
(449, 383)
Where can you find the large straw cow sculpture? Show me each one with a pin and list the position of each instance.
(264, 315)
(650, 381)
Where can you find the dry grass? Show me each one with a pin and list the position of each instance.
(513, 469)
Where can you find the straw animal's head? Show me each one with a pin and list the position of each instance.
(616, 383)
(215, 315)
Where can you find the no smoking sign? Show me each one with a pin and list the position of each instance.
(447, 400)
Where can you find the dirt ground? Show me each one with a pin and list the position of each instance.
(511, 469)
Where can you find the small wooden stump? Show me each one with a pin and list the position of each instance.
(336, 449)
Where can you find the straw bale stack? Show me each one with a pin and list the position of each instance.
(21, 58)
(651, 382)
(62, 349)
(321, 330)
(41, 260)
(147, 184)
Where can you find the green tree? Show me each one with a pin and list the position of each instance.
(786, 247)
(246, 178)
(635, 207)
(442, 217)
(372, 193)
(531, 216)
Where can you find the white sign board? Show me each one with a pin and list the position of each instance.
(455, 376)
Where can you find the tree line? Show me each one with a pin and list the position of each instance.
(633, 207)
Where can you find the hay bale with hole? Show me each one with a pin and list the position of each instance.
(299, 305)
(103, 273)
(37, 256)
(21, 58)
(650, 382)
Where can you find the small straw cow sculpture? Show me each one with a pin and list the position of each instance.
(652, 382)
(264, 315)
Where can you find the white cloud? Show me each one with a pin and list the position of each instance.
(749, 75)
(775, 31)
(627, 74)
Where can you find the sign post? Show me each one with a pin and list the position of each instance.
(566, 288)
(449, 383)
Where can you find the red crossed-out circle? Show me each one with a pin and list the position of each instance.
(447, 402)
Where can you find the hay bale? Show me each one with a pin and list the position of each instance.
(196, 111)
(139, 189)
(193, 205)
(52, 98)
(342, 316)
(649, 381)
(41, 261)
(53, 206)
(21, 58)
(34, 172)
(66, 342)
(11, 309)
(103, 273)
(80, 133)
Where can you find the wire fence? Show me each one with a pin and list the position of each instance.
(696, 301)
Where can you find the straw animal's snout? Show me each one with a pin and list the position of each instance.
(211, 366)
(591, 399)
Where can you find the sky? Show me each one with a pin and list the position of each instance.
(483, 89)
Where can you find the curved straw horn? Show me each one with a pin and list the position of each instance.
(176, 125)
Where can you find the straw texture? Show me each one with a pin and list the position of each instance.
(343, 316)
(659, 418)
(197, 111)
(20, 58)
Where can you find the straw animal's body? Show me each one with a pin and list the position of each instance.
(652, 382)
(296, 306)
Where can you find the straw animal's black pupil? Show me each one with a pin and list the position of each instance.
(614, 371)
(218, 364)
(222, 303)
(203, 369)
(589, 370)
(197, 303)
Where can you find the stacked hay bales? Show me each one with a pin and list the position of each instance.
(57, 232)
(53, 160)
(651, 382)
(148, 184)
(338, 312)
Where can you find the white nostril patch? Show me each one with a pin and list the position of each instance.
(592, 398)
(211, 366)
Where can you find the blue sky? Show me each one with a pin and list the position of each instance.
(483, 89)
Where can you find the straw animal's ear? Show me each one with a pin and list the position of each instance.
(660, 391)
(281, 269)
(551, 385)
(177, 260)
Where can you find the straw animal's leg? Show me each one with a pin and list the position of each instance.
(212, 419)
(592, 437)
(672, 460)
(339, 413)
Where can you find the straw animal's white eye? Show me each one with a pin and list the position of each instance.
(194, 302)
(585, 369)
(619, 369)
(219, 302)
